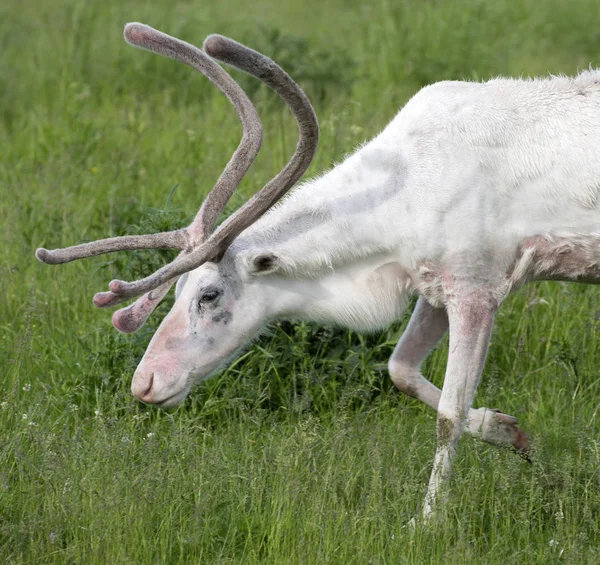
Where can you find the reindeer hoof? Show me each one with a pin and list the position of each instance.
(520, 442)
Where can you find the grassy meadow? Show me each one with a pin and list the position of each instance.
(300, 452)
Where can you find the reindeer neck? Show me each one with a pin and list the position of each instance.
(337, 218)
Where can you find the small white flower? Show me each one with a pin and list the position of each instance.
(553, 543)
(24, 416)
(97, 413)
(27, 387)
(31, 423)
(4, 405)
(559, 514)
(74, 407)
(150, 434)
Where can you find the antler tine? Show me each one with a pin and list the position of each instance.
(150, 39)
(275, 77)
(177, 239)
(132, 318)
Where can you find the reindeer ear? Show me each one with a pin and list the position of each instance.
(263, 263)
(180, 284)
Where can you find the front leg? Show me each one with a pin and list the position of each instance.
(470, 320)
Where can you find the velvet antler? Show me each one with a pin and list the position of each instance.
(195, 241)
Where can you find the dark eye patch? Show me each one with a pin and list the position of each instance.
(223, 317)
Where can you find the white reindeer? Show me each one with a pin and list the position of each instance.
(472, 190)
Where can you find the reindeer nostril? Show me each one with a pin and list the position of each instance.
(150, 383)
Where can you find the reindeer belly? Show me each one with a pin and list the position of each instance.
(558, 257)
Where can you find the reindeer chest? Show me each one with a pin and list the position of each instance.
(430, 282)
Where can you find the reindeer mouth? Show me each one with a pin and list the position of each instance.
(173, 400)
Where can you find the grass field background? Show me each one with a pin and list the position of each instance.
(301, 451)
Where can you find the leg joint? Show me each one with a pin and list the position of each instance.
(405, 378)
(449, 428)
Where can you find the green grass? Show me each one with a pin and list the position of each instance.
(300, 452)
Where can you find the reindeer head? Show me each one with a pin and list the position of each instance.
(216, 310)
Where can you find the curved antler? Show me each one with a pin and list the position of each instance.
(145, 37)
(275, 77)
(133, 317)
(195, 241)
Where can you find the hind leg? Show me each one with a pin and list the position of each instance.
(426, 327)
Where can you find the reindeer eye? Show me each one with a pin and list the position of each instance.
(208, 296)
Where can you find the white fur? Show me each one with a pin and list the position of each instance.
(470, 191)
